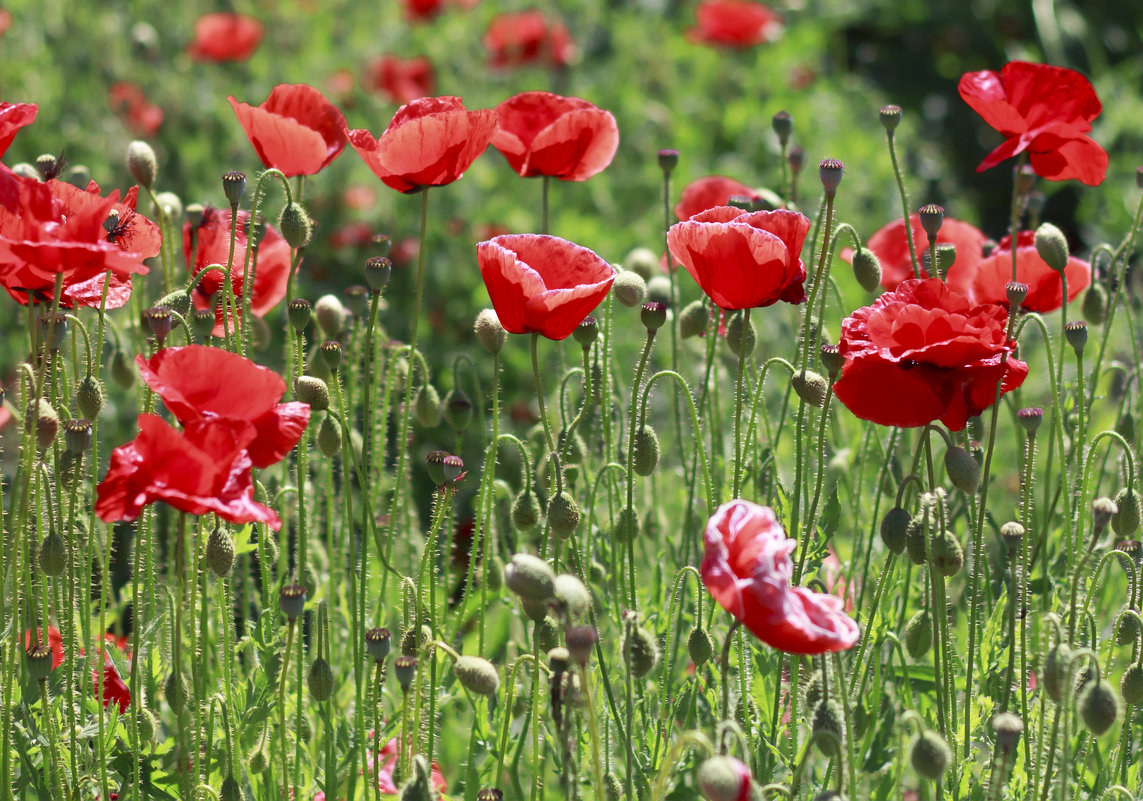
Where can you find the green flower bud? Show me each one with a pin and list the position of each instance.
(295, 225)
(142, 164)
(1055, 670)
(530, 577)
(629, 288)
(231, 790)
(811, 387)
(427, 406)
(641, 650)
(700, 646)
(962, 469)
(257, 760)
(919, 633)
(331, 315)
(122, 371)
(572, 596)
(930, 755)
(1131, 685)
(948, 555)
(915, 539)
(740, 335)
(1008, 728)
(866, 269)
(489, 332)
(178, 301)
(894, 529)
(89, 397)
(722, 778)
(1125, 521)
(815, 689)
(659, 290)
(47, 424)
(693, 319)
(176, 691)
(1052, 246)
(53, 555)
(1126, 627)
(329, 437)
(313, 391)
(827, 720)
(1099, 707)
(220, 551)
(320, 680)
(626, 526)
(645, 451)
(641, 261)
(563, 514)
(457, 410)
(476, 675)
(1095, 304)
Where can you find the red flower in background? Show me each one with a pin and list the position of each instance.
(142, 117)
(211, 245)
(1044, 110)
(422, 10)
(1045, 289)
(13, 117)
(747, 569)
(892, 250)
(429, 142)
(115, 690)
(401, 80)
(388, 757)
(708, 192)
(225, 36)
(743, 260)
(526, 37)
(923, 353)
(562, 137)
(295, 129)
(542, 284)
(734, 23)
(205, 468)
(187, 379)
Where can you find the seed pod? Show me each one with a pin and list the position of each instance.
(377, 643)
(895, 529)
(580, 642)
(1099, 707)
(547, 634)
(220, 551)
(700, 646)
(320, 679)
(53, 555)
(477, 675)
(930, 755)
(827, 719)
(530, 577)
(292, 601)
(405, 668)
(919, 633)
(39, 661)
(646, 451)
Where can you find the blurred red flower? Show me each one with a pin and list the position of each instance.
(892, 250)
(526, 37)
(422, 10)
(923, 353)
(542, 284)
(295, 129)
(562, 137)
(13, 117)
(142, 117)
(205, 468)
(743, 260)
(5, 20)
(401, 80)
(186, 379)
(385, 782)
(708, 192)
(351, 235)
(225, 36)
(429, 142)
(115, 690)
(1045, 289)
(211, 245)
(1044, 110)
(747, 569)
(734, 23)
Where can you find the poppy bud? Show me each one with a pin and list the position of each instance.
(476, 675)
(26, 170)
(220, 551)
(53, 329)
(1126, 427)
(1008, 728)
(292, 601)
(537, 611)
(890, 118)
(357, 300)
(525, 510)
(826, 721)
(723, 778)
(783, 125)
(257, 759)
(1099, 707)
(1013, 534)
(412, 638)
(919, 633)
(295, 225)
(329, 437)
(313, 391)
(948, 554)
(39, 661)
(530, 577)
(563, 514)
(1126, 627)
(298, 310)
(47, 423)
(89, 397)
(141, 163)
(653, 315)
(1125, 519)
(77, 435)
(830, 172)
(962, 470)
(915, 539)
(668, 159)
(1055, 670)
(626, 526)
(490, 794)
(931, 216)
(640, 649)
(629, 288)
(457, 410)
(427, 406)
(815, 689)
(489, 332)
(405, 668)
(176, 691)
(642, 261)
(331, 315)
(170, 204)
(320, 680)
(580, 641)
(178, 301)
(1076, 334)
(1131, 685)
(693, 319)
(53, 555)
(866, 269)
(231, 790)
(700, 646)
(1052, 246)
(79, 176)
(930, 755)
(1102, 511)
(613, 787)
(811, 387)
(587, 331)
(234, 187)
(646, 450)
(740, 335)
(894, 529)
(1095, 305)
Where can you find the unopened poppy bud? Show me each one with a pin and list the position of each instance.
(195, 214)
(826, 721)
(53, 329)
(1052, 246)
(1102, 510)
(178, 301)
(645, 451)
(231, 790)
(700, 646)
(490, 794)
(525, 510)
(947, 553)
(580, 641)
(160, 321)
(894, 529)
(1126, 629)
(220, 551)
(427, 406)
(90, 397)
(915, 539)
(176, 691)
(530, 577)
(1099, 707)
(1126, 427)
(476, 675)
(572, 595)
(962, 470)
(457, 410)
(331, 315)
(919, 633)
(47, 423)
(405, 668)
(931, 216)
(1055, 670)
(295, 225)
(740, 335)
(453, 468)
(1094, 305)
(52, 555)
(930, 755)
(292, 600)
(320, 679)
(313, 391)
(643, 261)
(832, 360)
(723, 778)
(298, 310)
(866, 269)
(234, 187)
(641, 650)
(693, 319)
(77, 435)
(654, 315)
(26, 170)
(357, 300)
(434, 461)
(1076, 334)
(563, 514)
(890, 118)
(412, 638)
(811, 387)
(39, 661)
(1008, 728)
(48, 166)
(1013, 534)
(626, 526)
(78, 175)
(1125, 519)
(1131, 685)
(830, 172)
(490, 333)
(171, 205)
(377, 643)
(629, 288)
(783, 125)
(659, 290)
(141, 163)
(1030, 418)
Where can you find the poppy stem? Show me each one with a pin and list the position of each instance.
(904, 203)
(736, 485)
(544, 219)
(1014, 216)
(543, 406)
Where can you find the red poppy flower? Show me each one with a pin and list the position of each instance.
(205, 468)
(1046, 111)
(923, 353)
(212, 246)
(352, 235)
(142, 117)
(225, 36)
(295, 129)
(187, 380)
(429, 142)
(714, 774)
(734, 23)
(49, 228)
(747, 569)
(542, 284)
(743, 260)
(5, 21)
(892, 250)
(422, 10)
(563, 137)
(708, 192)
(1045, 289)
(401, 80)
(13, 117)
(114, 688)
(526, 37)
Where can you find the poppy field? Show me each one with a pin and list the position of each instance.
(594, 400)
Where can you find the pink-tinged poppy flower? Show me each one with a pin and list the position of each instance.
(423, 10)
(743, 260)
(429, 142)
(1045, 289)
(6, 20)
(115, 690)
(526, 37)
(734, 23)
(923, 353)
(401, 80)
(1044, 110)
(562, 137)
(706, 193)
(747, 569)
(142, 117)
(542, 284)
(211, 245)
(295, 129)
(385, 783)
(13, 117)
(205, 468)
(186, 379)
(225, 36)
(892, 249)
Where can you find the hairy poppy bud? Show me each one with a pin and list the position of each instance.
(231, 790)
(723, 778)
(176, 691)
(915, 539)
(377, 643)
(39, 661)
(1095, 305)
(331, 315)
(489, 332)
(258, 759)
(693, 319)
(1076, 334)
(1126, 627)
(1126, 427)
(580, 641)
(1013, 534)
(563, 514)
(320, 679)
(866, 269)
(629, 288)
(962, 470)
(530, 577)
(626, 526)
(930, 755)
(642, 261)
(919, 633)
(640, 650)
(1125, 520)
(700, 646)
(234, 187)
(53, 329)
(1008, 728)
(783, 125)
(1102, 511)
(811, 387)
(815, 689)
(220, 551)
(830, 172)
(1131, 685)
(292, 600)
(405, 668)
(142, 164)
(295, 225)
(827, 720)
(948, 554)
(329, 437)
(1030, 418)
(89, 397)
(740, 335)
(572, 595)
(1052, 246)
(895, 529)
(1055, 670)
(313, 391)
(53, 555)
(427, 406)
(890, 118)
(526, 510)
(931, 216)
(476, 675)
(646, 451)
(47, 423)
(457, 410)
(1099, 707)
(668, 159)
(653, 315)
(178, 301)
(587, 331)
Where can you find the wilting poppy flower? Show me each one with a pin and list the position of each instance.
(747, 569)
(562, 137)
(139, 114)
(115, 690)
(923, 353)
(743, 260)
(1045, 289)
(1044, 110)
(13, 117)
(205, 468)
(429, 142)
(401, 80)
(526, 37)
(295, 129)
(211, 245)
(187, 379)
(706, 193)
(225, 36)
(892, 250)
(542, 284)
(49, 228)
(734, 23)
